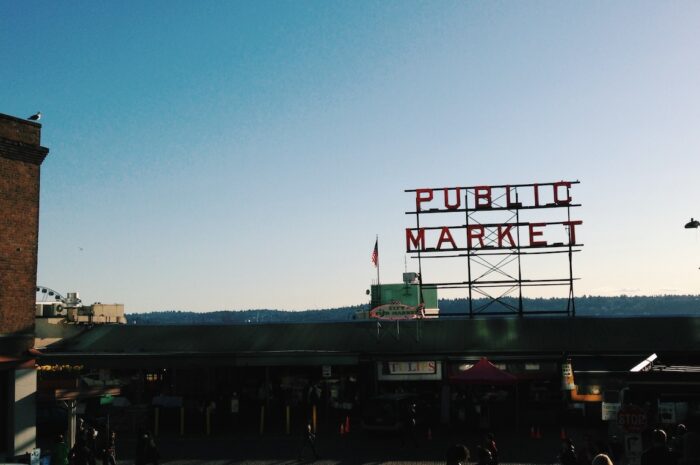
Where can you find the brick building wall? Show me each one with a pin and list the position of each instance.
(21, 156)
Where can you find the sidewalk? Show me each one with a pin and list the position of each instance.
(356, 448)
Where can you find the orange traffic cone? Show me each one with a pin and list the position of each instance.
(342, 429)
(347, 424)
(562, 435)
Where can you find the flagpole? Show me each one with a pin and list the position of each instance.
(377, 259)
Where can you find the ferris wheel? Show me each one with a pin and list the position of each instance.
(47, 295)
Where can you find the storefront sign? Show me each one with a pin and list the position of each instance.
(396, 311)
(414, 368)
(567, 377)
(404, 371)
(609, 410)
(667, 413)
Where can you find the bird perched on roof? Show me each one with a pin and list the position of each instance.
(35, 117)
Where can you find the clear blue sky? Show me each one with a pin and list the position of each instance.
(231, 155)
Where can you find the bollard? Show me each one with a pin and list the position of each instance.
(156, 421)
(208, 413)
(313, 418)
(182, 421)
(262, 419)
(288, 416)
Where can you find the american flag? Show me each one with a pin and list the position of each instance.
(375, 253)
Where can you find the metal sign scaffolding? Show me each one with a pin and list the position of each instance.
(495, 251)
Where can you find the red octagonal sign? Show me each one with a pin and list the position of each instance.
(632, 419)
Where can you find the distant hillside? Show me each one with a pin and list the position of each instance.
(665, 305)
(176, 317)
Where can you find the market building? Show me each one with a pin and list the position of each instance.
(541, 372)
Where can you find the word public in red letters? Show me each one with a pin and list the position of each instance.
(479, 234)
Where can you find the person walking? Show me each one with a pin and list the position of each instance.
(235, 407)
(109, 455)
(677, 442)
(152, 455)
(568, 453)
(601, 459)
(80, 454)
(659, 453)
(588, 451)
(92, 446)
(59, 452)
(457, 454)
(146, 450)
(483, 456)
(409, 425)
(413, 423)
(489, 443)
(308, 440)
(140, 452)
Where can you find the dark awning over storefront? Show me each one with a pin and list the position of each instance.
(529, 339)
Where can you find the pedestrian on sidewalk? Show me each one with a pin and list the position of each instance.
(410, 425)
(588, 451)
(601, 459)
(92, 445)
(457, 455)
(80, 454)
(489, 443)
(659, 453)
(677, 442)
(483, 456)
(59, 452)
(146, 450)
(568, 453)
(308, 440)
(152, 454)
(109, 456)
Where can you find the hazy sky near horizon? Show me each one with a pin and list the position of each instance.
(234, 155)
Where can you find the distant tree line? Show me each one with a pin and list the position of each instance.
(662, 305)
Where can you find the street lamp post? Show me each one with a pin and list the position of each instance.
(692, 224)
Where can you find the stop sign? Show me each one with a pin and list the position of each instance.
(632, 419)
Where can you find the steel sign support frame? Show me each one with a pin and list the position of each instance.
(495, 259)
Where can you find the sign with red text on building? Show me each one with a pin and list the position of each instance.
(493, 228)
(397, 311)
(632, 419)
(409, 370)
